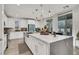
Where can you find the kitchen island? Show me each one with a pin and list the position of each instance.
(49, 45)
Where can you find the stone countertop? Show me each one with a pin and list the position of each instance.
(49, 38)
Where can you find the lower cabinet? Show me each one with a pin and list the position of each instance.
(36, 46)
(40, 48)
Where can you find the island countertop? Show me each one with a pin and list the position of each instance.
(49, 38)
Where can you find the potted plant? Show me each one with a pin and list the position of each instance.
(78, 36)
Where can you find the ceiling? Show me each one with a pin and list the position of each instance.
(35, 10)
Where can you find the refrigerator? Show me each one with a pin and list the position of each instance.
(31, 28)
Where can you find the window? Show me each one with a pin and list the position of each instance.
(65, 24)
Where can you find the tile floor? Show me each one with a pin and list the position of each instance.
(76, 51)
(18, 47)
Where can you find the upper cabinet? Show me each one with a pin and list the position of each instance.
(23, 23)
(10, 23)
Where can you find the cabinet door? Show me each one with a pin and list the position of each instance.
(64, 47)
(30, 42)
(23, 23)
(36, 46)
(33, 45)
(69, 45)
(58, 48)
(10, 23)
(27, 41)
(40, 48)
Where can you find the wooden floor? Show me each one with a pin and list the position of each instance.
(18, 47)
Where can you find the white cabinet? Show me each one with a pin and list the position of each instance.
(16, 35)
(10, 23)
(23, 23)
(31, 44)
(36, 46)
(40, 47)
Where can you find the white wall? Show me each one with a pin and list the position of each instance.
(37, 24)
(75, 22)
(55, 23)
(0, 21)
